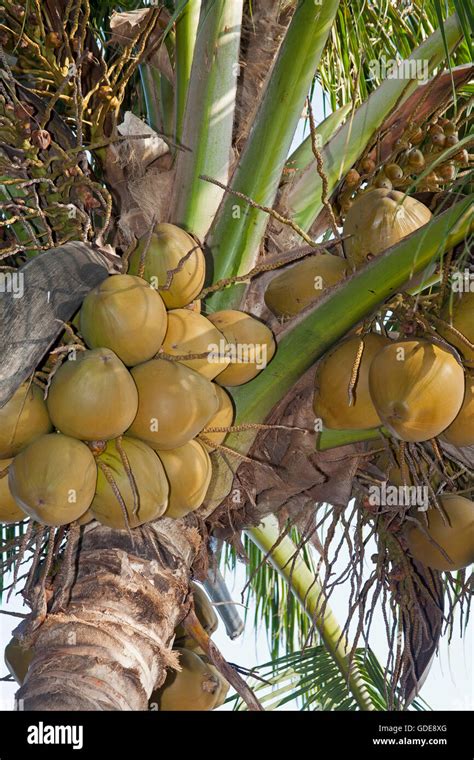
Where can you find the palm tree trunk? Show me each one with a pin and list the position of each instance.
(105, 641)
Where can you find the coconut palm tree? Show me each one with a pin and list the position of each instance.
(115, 119)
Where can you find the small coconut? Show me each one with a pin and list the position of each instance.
(54, 479)
(331, 400)
(197, 686)
(167, 249)
(93, 396)
(304, 282)
(368, 165)
(188, 469)
(455, 535)
(191, 333)
(250, 345)
(23, 419)
(417, 388)
(124, 314)
(222, 418)
(175, 403)
(140, 479)
(393, 171)
(379, 219)
(461, 430)
(460, 314)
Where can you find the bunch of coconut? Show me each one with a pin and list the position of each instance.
(417, 389)
(122, 435)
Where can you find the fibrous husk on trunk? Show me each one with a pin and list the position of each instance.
(105, 643)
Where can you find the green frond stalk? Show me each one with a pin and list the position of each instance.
(208, 116)
(237, 231)
(186, 31)
(331, 439)
(309, 594)
(303, 155)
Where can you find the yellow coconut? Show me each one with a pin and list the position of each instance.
(196, 686)
(175, 403)
(140, 479)
(417, 388)
(378, 219)
(456, 536)
(249, 344)
(223, 418)
(304, 282)
(86, 518)
(331, 396)
(461, 430)
(168, 246)
(54, 479)
(18, 659)
(460, 315)
(191, 333)
(23, 418)
(124, 314)
(205, 614)
(188, 469)
(93, 397)
(10, 512)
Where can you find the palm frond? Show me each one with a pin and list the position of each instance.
(310, 679)
(286, 624)
(365, 32)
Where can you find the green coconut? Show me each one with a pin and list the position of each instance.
(333, 375)
(249, 344)
(175, 403)
(54, 479)
(455, 536)
(460, 315)
(93, 397)
(223, 418)
(417, 388)
(191, 333)
(461, 430)
(23, 418)
(10, 512)
(378, 219)
(197, 686)
(124, 314)
(140, 479)
(18, 659)
(205, 614)
(166, 250)
(304, 282)
(188, 469)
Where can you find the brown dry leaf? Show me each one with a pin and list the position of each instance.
(126, 25)
(289, 474)
(137, 154)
